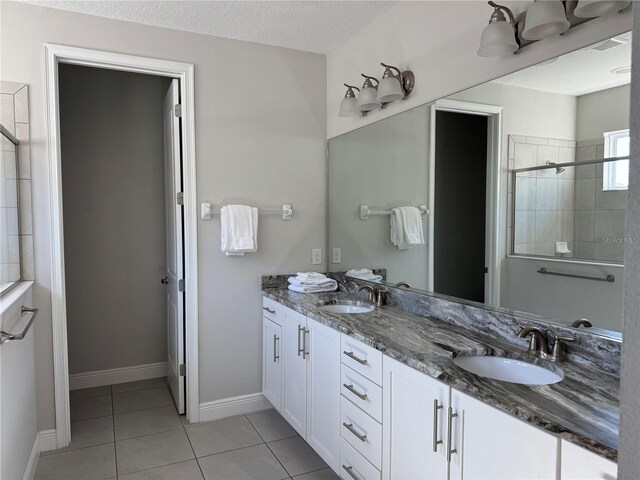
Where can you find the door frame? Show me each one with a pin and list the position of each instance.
(495, 242)
(54, 55)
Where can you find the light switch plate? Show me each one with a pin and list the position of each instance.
(316, 256)
(336, 255)
(205, 211)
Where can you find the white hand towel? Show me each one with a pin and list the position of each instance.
(311, 275)
(238, 229)
(406, 227)
(330, 287)
(318, 283)
(364, 274)
(397, 232)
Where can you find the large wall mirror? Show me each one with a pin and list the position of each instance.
(519, 183)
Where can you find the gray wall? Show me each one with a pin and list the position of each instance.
(629, 460)
(600, 112)
(114, 220)
(260, 137)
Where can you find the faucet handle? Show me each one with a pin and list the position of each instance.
(556, 352)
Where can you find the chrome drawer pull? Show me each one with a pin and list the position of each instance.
(349, 426)
(305, 352)
(300, 329)
(349, 470)
(275, 355)
(436, 407)
(450, 418)
(272, 312)
(361, 396)
(351, 355)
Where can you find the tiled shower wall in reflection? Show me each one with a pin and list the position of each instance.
(14, 115)
(544, 207)
(600, 217)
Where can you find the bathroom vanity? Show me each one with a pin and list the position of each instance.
(378, 395)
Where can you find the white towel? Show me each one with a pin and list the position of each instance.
(316, 283)
(364, 274)
(406, 227)
(331, 286)
(238, 229)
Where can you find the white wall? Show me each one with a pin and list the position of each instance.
(114, 217)
(438, 40)
(260, 137)
(603, 111)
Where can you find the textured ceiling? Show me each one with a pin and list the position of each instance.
(312, 26)
(578, 73)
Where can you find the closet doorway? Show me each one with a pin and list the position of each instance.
(125, 186)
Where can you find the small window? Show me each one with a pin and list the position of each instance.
(615, 175)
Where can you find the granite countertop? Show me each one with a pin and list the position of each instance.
(583, 408)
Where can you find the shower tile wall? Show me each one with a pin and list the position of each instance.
(14, 115)
(544, 205)
(600, 217)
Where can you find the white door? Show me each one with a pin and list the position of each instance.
(493, 444)
(272, 362)
(173, 280)
(294, 392)
(413, 424)
(323, 391)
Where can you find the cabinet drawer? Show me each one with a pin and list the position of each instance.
(354, 387)
(354, 466)
(361, 431)
(271, 310)
(362, 358)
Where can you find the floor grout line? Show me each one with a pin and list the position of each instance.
(113, 422)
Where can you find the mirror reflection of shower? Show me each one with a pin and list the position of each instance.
(558, 169)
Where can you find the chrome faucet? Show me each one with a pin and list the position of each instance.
(376, 296)
(402, 284)
(539, 347)
(582, 322)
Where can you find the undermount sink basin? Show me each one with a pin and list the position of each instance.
(507, 370)
(345, 306)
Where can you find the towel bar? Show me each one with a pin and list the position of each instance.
(286, 211)
(365, 211)
(608, 278)
(7, 337)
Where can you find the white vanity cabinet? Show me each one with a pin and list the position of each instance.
(272, 352)
(294, 369)
(493, 444)
(578, 463)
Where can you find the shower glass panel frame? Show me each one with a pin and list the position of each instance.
(10, 244)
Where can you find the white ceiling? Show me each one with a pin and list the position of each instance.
(578, 73)
(312, 26)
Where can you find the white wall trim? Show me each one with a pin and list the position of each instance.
(228, 407)
(55, 54)
(32, 463)
(496, 181)
(47, 440)
(112, 376)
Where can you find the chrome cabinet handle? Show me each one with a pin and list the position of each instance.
(272, 312)
(361, 396)
(436, 407)
(305, 353)
(351, 355)
(300, 350)
(349, 470)
(450, 418)
(275, 355)
(349, 426)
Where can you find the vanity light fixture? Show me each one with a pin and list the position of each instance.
(598, 8)
(348, 107)
(368, 96)
(545, 18)
(500, 37)
(394, 86)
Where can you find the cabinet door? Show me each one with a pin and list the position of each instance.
(323, 391)
(413, 424)
(272, 362)
(294, 370)
(578, 463)
(493, 444)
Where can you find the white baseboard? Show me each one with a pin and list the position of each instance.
(47, 440)
(32, 464)
(228, 407)
(113, 376)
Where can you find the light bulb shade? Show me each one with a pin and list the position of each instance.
(598, 8)
(390, 90)
(368, 99)
(498, 39)
(348, 108)
(545, 18)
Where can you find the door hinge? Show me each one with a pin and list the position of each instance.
(183, 369)
(180, 198)
(181, 285)
(177, 109)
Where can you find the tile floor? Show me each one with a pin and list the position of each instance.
(131, 431)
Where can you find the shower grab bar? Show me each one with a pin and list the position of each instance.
(286, 211)
(7, 337)
(608, 278)
(366, 210)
